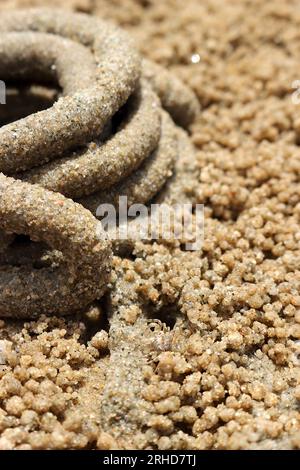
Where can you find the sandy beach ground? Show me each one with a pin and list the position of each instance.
(219, 365)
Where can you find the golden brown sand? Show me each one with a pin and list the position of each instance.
(192, 350)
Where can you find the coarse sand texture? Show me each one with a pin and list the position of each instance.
(143, 344)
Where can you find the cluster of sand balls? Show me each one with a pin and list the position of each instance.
(202, 349)
(110, 134)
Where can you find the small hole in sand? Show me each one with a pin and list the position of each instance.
(21, 101)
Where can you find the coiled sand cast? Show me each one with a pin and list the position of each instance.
(110, 133)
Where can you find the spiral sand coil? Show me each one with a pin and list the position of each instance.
(106, 136)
